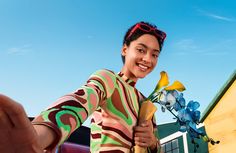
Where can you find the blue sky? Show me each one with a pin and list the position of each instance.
(49, 48)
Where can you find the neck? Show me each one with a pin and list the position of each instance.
(128, 74)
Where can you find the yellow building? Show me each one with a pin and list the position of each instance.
(220, 118)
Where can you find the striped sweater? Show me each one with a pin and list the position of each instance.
(113, 103)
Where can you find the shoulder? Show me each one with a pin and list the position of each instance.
(105, 77)
(104, 74)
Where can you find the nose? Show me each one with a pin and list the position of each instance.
(147, 58)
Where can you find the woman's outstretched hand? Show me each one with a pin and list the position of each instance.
(17, 134)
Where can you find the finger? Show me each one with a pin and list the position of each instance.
(143, 123)
(14, 111)
(142, 129)
(144, 136)
(141, 142)
(4, 148)
(5, 126)
(5, 122)
(141, 139)
(138, 128)
(148, 123)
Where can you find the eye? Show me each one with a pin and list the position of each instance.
(155, 55)
(141, 50)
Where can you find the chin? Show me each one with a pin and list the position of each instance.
(141, 76)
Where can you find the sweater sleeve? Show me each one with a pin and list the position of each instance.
(70, 111)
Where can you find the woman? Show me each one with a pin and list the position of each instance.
(111, 98)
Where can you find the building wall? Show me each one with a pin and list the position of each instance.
(169, 133)
(220, 124)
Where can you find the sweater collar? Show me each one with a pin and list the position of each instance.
(126, 79)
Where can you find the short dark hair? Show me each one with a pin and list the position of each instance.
(133, 35)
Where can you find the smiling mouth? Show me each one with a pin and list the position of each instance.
(143, 67)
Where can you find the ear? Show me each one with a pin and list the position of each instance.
(124, 50)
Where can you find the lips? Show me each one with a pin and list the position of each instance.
(143, 67)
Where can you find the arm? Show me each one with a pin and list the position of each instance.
(46, 136)
(70, 111)
(17, 134)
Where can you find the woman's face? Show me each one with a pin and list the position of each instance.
(140, 56)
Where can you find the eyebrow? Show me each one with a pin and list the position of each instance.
(145, 46)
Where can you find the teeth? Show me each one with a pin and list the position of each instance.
(143, 67)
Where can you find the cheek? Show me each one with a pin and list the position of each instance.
(132, 58)
(154, 63)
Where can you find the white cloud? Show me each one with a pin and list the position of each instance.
(19, 50)
(220, 17)
(219, 48)
(189, 47)
(185, 44)
(216, 16)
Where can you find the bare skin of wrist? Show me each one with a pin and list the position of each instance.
(156, 144)
(46, 136)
